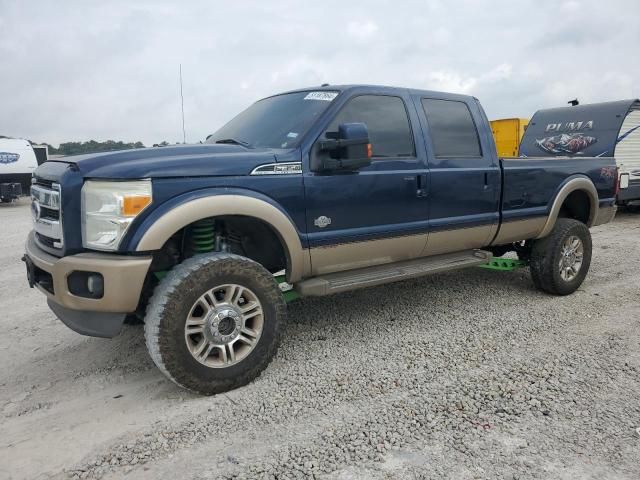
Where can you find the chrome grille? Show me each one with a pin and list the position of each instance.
(45, 210)
(42, 182)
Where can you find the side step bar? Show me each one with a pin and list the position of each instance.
(378, 275)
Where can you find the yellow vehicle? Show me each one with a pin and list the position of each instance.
(507, 133)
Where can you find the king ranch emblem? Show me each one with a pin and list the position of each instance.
(322, 221)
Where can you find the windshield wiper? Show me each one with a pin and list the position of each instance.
(233, 141)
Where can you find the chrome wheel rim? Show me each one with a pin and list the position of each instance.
(224, 325)
(571, 257)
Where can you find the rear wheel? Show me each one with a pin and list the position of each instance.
(560, 262)
(214, 322)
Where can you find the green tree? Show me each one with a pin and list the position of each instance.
(78, 148)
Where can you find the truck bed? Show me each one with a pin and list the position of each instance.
(530, 186)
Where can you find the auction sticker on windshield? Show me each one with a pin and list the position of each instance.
(324, 96)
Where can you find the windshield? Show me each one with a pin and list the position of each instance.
(275, 122)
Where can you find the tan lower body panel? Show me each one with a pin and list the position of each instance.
(382, 274)
(123, 278)
(605, 215)
(459, 239)
(356, 255)
(350, 256)
(519, 230)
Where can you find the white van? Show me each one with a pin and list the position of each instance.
(17, 163)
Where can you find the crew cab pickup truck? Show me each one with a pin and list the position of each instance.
(340, 187)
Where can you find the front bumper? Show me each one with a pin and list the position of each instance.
(123, 279)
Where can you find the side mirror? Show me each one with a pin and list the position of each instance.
(346, 149)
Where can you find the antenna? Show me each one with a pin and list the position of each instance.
(184, 135)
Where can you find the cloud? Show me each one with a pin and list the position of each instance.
(100, 70)
(451, 82)
(570, 6)
(459, 83)
(362, 30)
(500, 72)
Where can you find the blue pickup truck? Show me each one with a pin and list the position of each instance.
(322, 190)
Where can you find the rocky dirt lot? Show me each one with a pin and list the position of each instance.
(471, 374)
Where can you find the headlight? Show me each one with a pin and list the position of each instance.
(108, 208)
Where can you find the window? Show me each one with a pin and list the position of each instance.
(453, 131)
(386, 119)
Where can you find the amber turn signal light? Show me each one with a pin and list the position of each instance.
(134, 204)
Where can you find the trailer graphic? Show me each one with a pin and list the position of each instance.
(566, 143)
(8, 157)
(609, 129)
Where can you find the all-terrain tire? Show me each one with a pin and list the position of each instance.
(172, 302)
(547, 253)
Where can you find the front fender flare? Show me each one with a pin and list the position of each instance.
(178, 217)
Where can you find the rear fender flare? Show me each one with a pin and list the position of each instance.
(574, 184)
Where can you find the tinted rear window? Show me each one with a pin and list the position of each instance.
(453, 132)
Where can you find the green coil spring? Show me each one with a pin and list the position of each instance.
(202, 238)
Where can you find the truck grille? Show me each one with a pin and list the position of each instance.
(46, 213)
(42, 182)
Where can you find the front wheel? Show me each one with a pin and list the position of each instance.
(560, 262)
(214, 322)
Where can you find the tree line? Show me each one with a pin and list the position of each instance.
(78, 148)
(92, 146)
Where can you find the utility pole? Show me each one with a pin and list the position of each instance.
(184, 134)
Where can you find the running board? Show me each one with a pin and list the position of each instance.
(394, 272)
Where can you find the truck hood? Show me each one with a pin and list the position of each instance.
(173, 161)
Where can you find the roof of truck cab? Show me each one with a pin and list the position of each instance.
(362, 88)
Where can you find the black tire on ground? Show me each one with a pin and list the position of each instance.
(172, 303)
(547, 256)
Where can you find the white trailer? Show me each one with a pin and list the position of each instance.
(627, 155)
(17, 163)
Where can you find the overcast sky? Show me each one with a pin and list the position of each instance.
(81, 70)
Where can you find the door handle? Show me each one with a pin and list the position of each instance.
(421, 181)
(486, 181)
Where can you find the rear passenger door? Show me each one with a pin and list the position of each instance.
(375, 215)
(464, 172)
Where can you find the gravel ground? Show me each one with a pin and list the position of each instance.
(471, 374)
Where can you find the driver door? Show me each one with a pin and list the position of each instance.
(377, 214)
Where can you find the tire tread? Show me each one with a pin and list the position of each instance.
(169, 288)
(544, 257)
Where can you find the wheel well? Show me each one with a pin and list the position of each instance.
(247, 236)
(577, 206)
